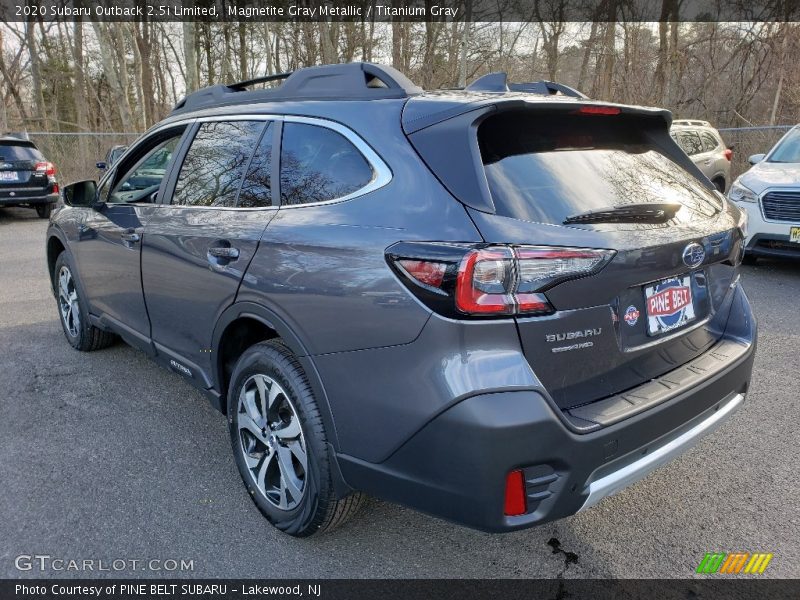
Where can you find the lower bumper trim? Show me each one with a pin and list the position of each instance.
(622, 478)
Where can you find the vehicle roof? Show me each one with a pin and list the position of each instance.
(10, 139)
(348, 93)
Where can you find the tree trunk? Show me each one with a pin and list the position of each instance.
(462, 61)
(190, 56)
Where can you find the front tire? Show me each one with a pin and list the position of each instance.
(279, 443)
(73, 311)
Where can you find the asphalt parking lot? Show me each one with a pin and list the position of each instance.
(107, 456)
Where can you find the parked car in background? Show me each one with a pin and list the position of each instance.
(498, 308)
(770, 193)
(26, 177)
(706, 148)
(111, 157)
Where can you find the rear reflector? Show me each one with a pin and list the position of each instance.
(598, 110)
(515, 502)
(426, 272)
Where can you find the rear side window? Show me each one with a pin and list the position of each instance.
(319, 164)
(13, 152)
(216, 162)
(547, 168)
(709, 142)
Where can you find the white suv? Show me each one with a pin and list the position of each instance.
(770, 193)
(706, 148)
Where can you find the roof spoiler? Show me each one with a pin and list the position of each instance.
(349, 81)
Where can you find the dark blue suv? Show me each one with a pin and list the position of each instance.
(497, 305)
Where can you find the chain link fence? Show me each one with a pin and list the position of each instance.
(75, 154)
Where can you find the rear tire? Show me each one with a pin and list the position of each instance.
(73, 311)
(749, 259)
(719, 183)
(44, 210)
(280, 445)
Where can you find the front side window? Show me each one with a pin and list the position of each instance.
(141, 183)
(319, 164)
(216, 163)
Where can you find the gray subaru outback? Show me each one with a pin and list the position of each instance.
(497, 305)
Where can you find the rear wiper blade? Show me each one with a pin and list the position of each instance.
(652, 212)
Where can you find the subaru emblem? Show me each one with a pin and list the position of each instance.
(694, 255)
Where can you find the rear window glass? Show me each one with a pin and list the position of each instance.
(547, 168)
(16, 152)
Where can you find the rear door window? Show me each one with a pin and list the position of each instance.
(319, 164)
(216, 163)
(547, 168)
(690, 142)
(709, 143)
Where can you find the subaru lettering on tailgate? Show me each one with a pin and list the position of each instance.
(669, 305)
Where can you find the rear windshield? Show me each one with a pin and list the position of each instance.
(14, 151)
(548, 168)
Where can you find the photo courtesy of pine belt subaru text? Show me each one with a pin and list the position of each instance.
(496, 305)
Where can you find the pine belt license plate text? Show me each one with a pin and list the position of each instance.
(794, 235)
(668, 304)
(8, 175)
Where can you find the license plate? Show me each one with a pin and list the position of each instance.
(668, 304)
(794, 235)
(8, 175)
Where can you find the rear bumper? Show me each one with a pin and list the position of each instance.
(6, 200)
(455, 467)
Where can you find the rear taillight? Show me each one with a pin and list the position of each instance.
(46, 168)
(515, 502)
(490, 280)
(728, 154)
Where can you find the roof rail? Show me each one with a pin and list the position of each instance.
(498, 82)
(694, 122)
(348, 81)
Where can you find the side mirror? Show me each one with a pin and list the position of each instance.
(101, 165)
(756, 158)
(82, 193)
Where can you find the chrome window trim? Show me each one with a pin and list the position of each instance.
(381, 173)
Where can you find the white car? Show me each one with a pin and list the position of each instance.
(770, 193)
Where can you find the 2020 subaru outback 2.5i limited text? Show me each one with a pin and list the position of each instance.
(496, 305)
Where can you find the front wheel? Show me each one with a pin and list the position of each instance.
(279, 443)
(80, 333)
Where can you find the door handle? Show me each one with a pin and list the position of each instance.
(224, 252)
(130, 236)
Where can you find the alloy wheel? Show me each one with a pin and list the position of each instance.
(272, 441)
(68, 302)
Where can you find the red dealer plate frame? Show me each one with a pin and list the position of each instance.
(669, 304)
